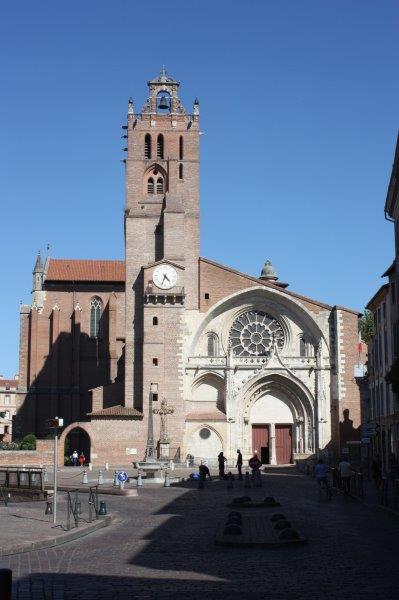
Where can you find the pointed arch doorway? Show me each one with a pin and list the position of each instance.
(271, 420)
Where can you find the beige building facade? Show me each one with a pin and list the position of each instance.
(243, 362)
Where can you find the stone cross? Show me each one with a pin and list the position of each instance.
(163, 412)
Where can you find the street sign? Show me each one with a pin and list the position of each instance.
(122, 476)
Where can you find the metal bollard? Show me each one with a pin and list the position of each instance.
(90, 466)
(45, 476)
(49, 508)
(139, 480)
(171, 465)
(106, 466)
(84, 480)
(5, 584)
(229, 481)
(116, 481)
(100, 478)
(167, 480)
(121, 485)
(103, 508)
(247, 482)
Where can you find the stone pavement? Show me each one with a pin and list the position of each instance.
(25, 526)
(163, 547)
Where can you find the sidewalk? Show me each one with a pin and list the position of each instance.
(25, 527)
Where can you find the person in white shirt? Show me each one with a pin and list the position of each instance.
(345, 472)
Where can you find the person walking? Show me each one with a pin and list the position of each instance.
(204, 471)
(239, 464)
(345, 472)
(82, 459)
(75, 457)
(320, 472)
(221, 460)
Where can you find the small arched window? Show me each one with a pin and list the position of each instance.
(160, 189)
(160, 146)
(147, 146)
(181, 147)
(155, 320)
(180, 171)
(150, 186)
(212, 344)
(95, 315)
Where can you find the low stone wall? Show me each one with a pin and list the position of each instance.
(43, 455)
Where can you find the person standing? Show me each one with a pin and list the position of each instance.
(345, 472)
(75, 457)
(82, 459)
(239, 464)
(255, 464)
(221, 460)
(320, 472)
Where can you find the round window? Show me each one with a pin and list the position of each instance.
(204, 433)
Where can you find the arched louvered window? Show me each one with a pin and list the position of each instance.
(160, 146)
(95, 315)
(180, 171)
(181, 147)
(160, 189)
(147, 146)
(150, 186)
(212, 344)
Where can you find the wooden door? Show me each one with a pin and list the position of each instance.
(260, 439)
(283, 444)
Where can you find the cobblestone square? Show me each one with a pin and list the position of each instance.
(162, 546)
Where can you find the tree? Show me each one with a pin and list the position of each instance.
(366, 326)
(29, 442)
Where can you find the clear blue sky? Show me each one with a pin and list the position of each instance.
(299, 109)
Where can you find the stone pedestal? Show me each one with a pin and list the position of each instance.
(164, 450)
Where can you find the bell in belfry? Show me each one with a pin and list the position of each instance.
(163, 103)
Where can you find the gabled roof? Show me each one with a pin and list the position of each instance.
(276, 286)
(378, 297)
(86, 270)
(116, 411)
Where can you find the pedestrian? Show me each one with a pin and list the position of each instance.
(320, 472)
(239, 464)
(82, 459)
(254, 464)
(221, 460)
(75, 457)
(345, 473)
(376, 472)
(204, 471)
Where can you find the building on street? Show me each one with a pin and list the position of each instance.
(243, 361)
(8, 406)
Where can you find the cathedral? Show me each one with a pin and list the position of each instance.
(223, 360)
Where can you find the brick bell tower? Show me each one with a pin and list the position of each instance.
(161, 245)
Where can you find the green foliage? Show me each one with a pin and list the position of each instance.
(29, 442)
(366, 326)
(67, 461)
(9, 446)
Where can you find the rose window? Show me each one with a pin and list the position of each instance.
(253, 332)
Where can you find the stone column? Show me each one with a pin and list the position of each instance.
(272, 444)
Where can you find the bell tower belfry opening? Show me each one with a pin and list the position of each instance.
(161, 216)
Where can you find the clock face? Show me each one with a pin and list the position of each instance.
(164, 277)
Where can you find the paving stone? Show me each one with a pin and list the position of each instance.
(162, 546)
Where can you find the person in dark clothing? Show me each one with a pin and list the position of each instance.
(221, 460)
(254, 464)
(239, 464)
(204, 471)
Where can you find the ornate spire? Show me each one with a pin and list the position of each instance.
(38, 265)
